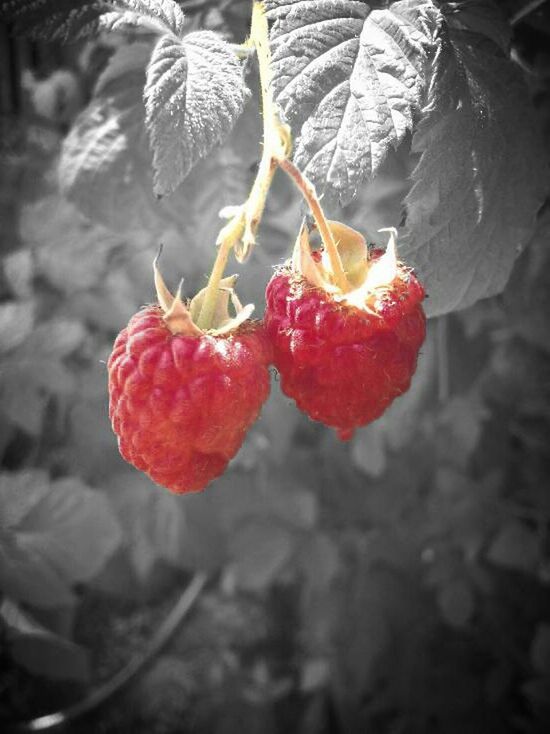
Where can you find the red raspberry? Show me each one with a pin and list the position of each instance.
(342, 364)
(182, 404)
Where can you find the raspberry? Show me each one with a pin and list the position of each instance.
(344, 358)
(181, 403)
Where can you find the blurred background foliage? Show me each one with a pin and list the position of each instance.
(398, 584)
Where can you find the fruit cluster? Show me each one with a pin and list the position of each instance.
(182, 398)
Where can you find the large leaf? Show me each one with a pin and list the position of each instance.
(69, 20)
(481, 176)
(52, 534)
(106, 164)
(350, 81)
(194, 94)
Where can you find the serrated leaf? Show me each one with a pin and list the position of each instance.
(350, 81)
(480, 179)
(69, 20)
(194, 93)
(105, 164)
(52, 534)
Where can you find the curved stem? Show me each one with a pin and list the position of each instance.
(308, 192)
(239, 234)
(212, 289)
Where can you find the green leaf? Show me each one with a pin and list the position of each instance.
(480, 179)
(41, 651)
(52, 534)
(69, 20)
(194, 93)
(350, 81)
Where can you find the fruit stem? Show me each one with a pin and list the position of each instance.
(308, 192)
(208, 309)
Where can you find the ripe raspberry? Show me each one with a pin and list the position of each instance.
(181, 403)
(345, 357)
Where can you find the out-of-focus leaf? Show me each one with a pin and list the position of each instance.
(41, 651)
(350, 80)
(400, 424)
(515, 547)
(35, 371)
(459, 427)
(258, 553)
(368, 450)
(540, 649)
(319, 559)
(18, 272)
(527, 296)
(70, 253)
(194, 93)
(53, 534)
(153, 522)
(480, 179)
(16, 322)
(315, 674)
(70, 20)
(537, 690)
(57, 337)
(456, 602)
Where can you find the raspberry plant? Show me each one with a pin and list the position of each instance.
(352, 93)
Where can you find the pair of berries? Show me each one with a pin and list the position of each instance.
(182, 399)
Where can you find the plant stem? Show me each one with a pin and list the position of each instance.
(212, 289)
(308, 192)
(239, 233)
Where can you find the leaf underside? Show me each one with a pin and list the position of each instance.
(350, 81)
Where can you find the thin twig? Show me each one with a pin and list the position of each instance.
(50, 722)
(526, 10)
